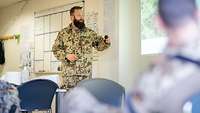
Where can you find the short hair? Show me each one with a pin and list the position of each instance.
(174, 12)
(72, 10)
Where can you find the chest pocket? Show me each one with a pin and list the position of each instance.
(86, 43)
(68, 44)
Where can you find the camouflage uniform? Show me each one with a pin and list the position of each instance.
(77, 98)
(169, 73)
(80, 43)
(8, 98)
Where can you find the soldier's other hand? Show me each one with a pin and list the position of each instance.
(72, 57)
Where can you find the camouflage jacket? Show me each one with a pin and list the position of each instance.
(8, 97)
(174, 68)
(80, 43)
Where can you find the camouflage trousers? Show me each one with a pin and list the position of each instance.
(71, 81)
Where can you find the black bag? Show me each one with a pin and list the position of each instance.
(2, 53)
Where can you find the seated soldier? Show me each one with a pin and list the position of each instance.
(9, 100)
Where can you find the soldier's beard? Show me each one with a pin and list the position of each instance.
(79, 24)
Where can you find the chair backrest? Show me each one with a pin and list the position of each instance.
(106, 91)
(13, 109)
(37, 94)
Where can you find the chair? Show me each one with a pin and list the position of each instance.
(13, 109)
(37, 95)
(106, 91)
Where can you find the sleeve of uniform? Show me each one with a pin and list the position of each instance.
(58, 48)
(99, 42)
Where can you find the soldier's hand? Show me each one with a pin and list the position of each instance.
(107, 39)
(71, 57)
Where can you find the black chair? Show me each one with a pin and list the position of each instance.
(13, 109)
(37, 95)
(106, 91)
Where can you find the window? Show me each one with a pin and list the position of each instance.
(152, 40)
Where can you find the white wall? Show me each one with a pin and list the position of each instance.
(129, 41)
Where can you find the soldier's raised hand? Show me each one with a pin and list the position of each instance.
(71, 57)
(107, 39)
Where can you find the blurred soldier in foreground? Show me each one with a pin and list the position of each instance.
(174, 75)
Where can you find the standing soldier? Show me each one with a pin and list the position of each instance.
(73, 47)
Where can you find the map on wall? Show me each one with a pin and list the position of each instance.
(91, 19)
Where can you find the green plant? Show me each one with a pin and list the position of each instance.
(17, 37)
(148, 12)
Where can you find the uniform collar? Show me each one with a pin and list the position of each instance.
(189, 50)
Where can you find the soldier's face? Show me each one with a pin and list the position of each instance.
(78, 15)
(78, 19)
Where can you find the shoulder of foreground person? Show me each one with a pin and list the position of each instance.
(77, 98)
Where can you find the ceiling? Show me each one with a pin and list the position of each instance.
(4, 3)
